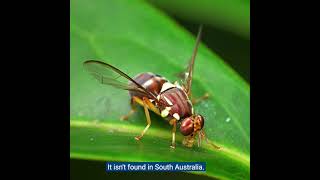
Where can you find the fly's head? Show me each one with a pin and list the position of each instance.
(190, 127)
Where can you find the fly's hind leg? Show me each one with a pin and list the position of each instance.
(145, 101)
(199, 99)
(132, 110)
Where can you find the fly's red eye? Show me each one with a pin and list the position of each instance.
(186, 127)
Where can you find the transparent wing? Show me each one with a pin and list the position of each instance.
(110, 75)
(187, 74)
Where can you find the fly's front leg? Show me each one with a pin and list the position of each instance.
(173, 122)
(202, 135)
(199, 99)
(146, 111)
(132, 110)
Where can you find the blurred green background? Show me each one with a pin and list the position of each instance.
(226, 32)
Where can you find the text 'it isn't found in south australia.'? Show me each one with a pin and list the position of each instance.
(155, 166)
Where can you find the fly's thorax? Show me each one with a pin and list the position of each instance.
(176, 102)
(152, 82)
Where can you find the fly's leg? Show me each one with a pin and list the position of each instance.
(199, 139)
(202, 134)
(146, 111)
(199, 99)
(173, 122)
(146, 104)
(132, 110)
(152, 107)
(134, 101)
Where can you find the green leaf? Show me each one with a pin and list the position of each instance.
(135, 37)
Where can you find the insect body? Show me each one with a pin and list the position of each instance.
(175, 104)
(154, 92)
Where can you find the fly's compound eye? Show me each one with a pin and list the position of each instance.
(186, 127)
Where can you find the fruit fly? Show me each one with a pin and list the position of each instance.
(171, 101)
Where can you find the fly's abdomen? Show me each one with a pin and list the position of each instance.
(152, 82)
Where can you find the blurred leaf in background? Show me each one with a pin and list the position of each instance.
(136, 37)
(229, 15)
